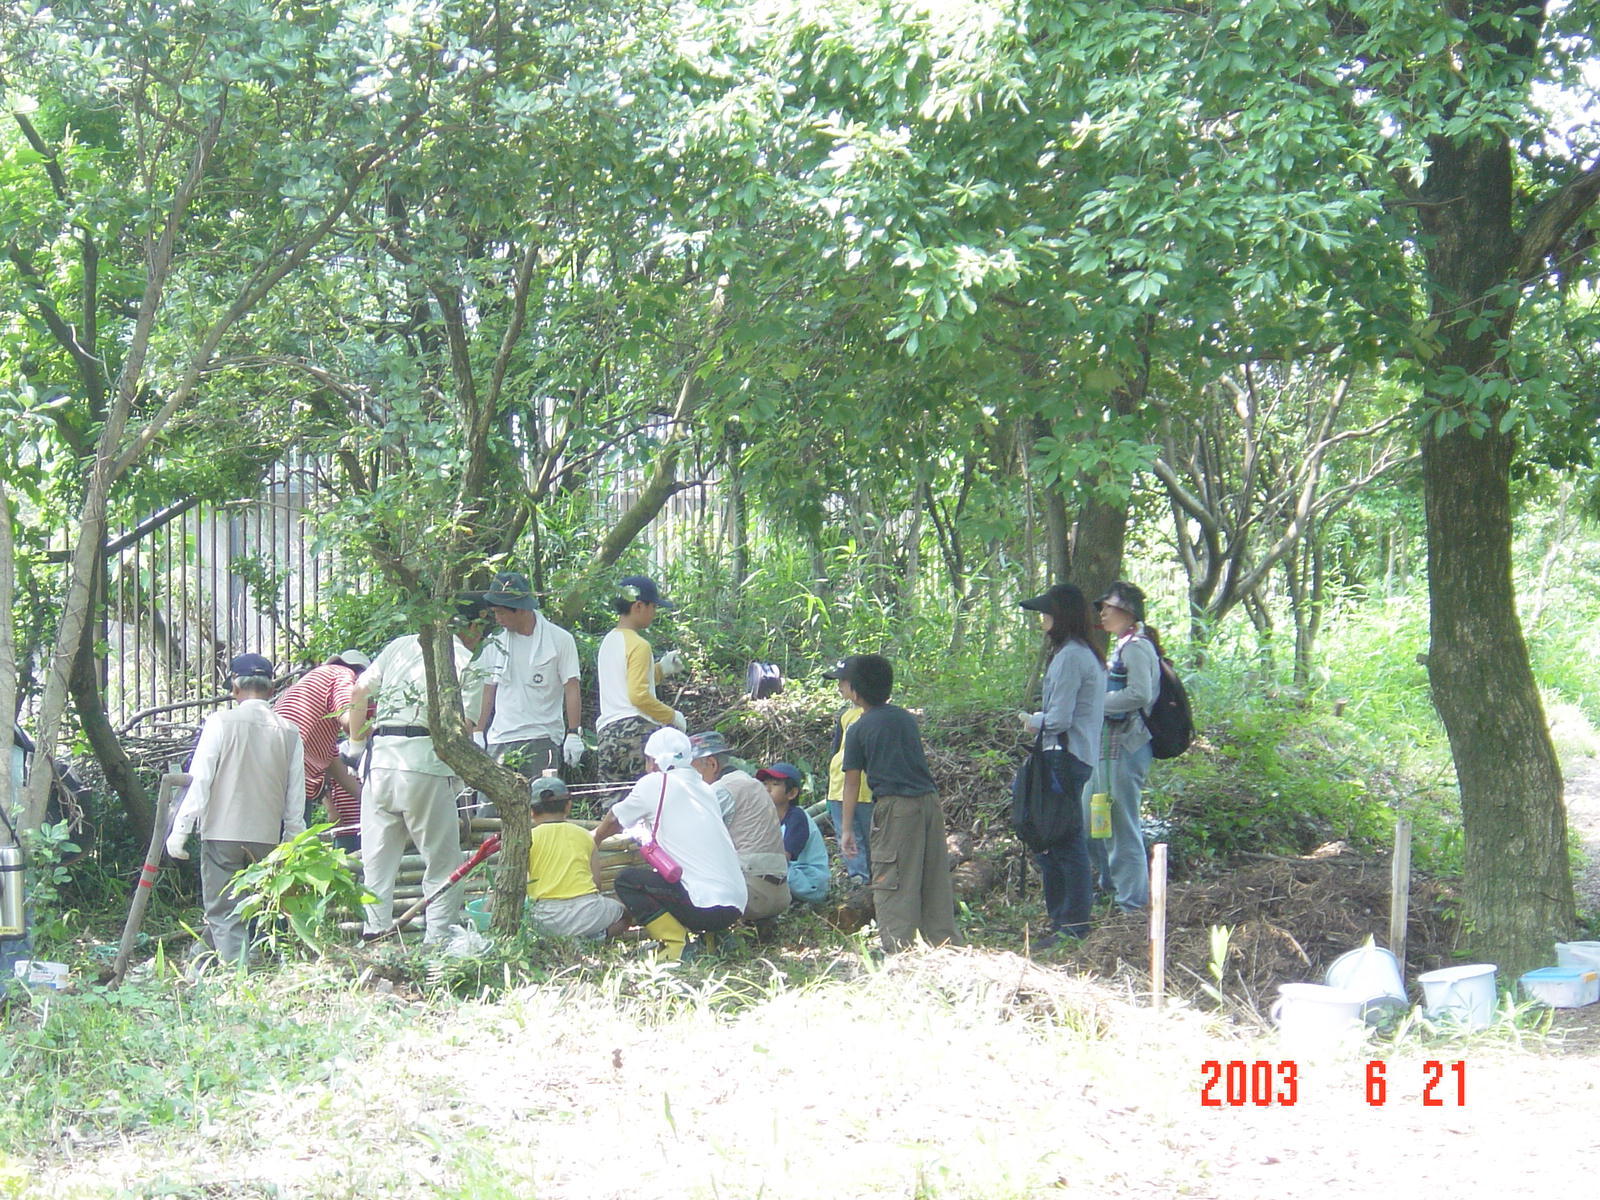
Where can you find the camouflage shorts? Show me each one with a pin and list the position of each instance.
(620, 746)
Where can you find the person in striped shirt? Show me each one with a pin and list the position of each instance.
(318, 705)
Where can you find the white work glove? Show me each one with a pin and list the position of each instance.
(1032, 722)
(175, 843)
(671, 664)
(679, 721)
(572, 749)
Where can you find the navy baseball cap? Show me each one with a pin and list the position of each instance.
(839, 670)
(641, 589)
(249, 666)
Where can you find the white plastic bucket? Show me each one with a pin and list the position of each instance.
(1368, 970)
(1315, 1014)
(1578, 954)
(1562, 987)
(1464, 994)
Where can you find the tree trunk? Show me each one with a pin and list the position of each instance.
(89, 703)
(1097, 545)
(738, 522)
(8, 645)
(505, 787)
(1518, 883)
(1519, 896)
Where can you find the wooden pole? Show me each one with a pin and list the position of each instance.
(1400, 891)
(1158, 925)
(147, 876)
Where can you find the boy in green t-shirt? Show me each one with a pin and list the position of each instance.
(858, 866)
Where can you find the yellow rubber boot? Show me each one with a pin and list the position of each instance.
(669, 931)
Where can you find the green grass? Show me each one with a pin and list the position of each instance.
(158, 1052)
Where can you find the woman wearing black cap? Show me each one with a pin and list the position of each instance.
(1073, 700)
(1135, 676)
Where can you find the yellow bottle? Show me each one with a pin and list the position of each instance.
(1100, 815)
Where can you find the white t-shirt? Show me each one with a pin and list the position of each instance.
(692, 832)
(530, 673)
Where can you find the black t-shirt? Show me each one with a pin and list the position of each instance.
(885, 743)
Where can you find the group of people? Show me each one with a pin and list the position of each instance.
(355, 733)
(1093, 739)
(722, 845)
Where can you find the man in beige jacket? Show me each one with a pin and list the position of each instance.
(247, 794)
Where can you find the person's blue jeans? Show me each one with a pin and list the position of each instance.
(1064, 868)
(1121, 867)
(859, 864)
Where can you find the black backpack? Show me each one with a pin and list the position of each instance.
(1169, 720)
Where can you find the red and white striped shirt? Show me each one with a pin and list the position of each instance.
(315, 704)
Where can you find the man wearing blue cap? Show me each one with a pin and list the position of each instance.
(532, 707)
(627, 674)
(246, 794)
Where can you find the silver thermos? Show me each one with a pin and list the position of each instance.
(13, 922)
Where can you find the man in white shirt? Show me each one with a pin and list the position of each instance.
(532, 707)
(247, 793)
(409, 792)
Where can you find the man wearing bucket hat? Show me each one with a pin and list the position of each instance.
(532, 708)
(627, 673)
(318, 704)
(752, 824)
(247, 793)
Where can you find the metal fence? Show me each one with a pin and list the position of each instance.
(196, 584)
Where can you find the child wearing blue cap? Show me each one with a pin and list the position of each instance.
(802, 840)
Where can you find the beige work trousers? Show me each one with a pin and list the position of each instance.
(767, 897)
(401, 805)
(911, 887)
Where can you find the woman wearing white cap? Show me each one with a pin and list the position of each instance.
(673, 805)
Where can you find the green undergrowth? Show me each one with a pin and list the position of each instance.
(91, 1066)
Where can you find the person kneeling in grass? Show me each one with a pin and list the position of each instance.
(563, 871)
(673, 807)
(802, 840)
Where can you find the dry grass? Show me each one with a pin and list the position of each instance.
(951, 1073)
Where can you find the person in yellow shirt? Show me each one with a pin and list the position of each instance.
(858, 865)
(563, 881)
(626, 674)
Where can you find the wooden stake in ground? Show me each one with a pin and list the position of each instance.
(1158, 925)
(147, 876)
(1400, 891)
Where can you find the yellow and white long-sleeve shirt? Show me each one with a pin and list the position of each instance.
(626, 672)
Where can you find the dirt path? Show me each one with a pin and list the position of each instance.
(1583, 818)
